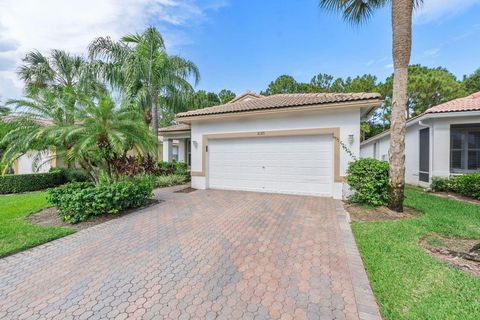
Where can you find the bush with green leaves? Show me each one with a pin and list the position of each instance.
(72, 174)
(368, 179)
(441, 184)
(467, 184)
(30, 182)
(171, 180)
(174, 167)
(79, 201)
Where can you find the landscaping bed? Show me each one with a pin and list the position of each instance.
(456, 196)
(361, 213)
(49, 217)
(463, 254)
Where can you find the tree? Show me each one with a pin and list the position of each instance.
(32, 129)
(65, 75)
(140, 67)
(104, 132)
(283, 84)
(472, 82)
(358, 11)
(427, 87)
(323, 82)
(226, 95)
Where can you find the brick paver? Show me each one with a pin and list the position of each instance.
(203, 255)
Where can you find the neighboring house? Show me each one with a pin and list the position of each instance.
(443, 141)
(285, 143)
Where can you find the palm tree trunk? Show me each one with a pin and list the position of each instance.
(155, 122)
(402, 43)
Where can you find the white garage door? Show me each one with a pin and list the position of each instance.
(293, 165)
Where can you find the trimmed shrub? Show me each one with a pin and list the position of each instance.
(72, 174)
(441, 184)
(168, 168)
(79, 201)
(467, 184)
(30, 182)
(368, 179)
(171, 180)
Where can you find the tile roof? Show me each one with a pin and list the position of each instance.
(280, 101)
(176, 127)
(469, 103)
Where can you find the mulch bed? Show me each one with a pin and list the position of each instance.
(463, 254)
(49, 218)
(185, 190)
(456, 196)
(360, 213)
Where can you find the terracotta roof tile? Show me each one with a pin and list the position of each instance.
(176, 127)
(280, 101)
(469, 103)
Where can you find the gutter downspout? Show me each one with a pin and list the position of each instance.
(430, 156)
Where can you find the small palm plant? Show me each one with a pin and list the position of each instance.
(102, 132)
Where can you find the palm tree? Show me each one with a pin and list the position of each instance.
(64, 74)
(35, 121)
(102, 132)
(356, 12)
(140, 67)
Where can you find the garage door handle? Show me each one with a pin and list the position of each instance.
(263, 167)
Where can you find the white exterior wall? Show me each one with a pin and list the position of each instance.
(25, 163)
(348, 120)
(439, 146)
(411, 152)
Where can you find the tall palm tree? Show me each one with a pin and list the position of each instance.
(356, 12)
(62, 73)
(140, 66)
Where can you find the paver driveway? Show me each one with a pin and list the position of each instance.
(207, 254)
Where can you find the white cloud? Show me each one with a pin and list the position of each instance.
(71, 25)
(434, 9)
(431, 53)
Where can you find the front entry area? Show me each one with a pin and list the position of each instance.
(301, 164)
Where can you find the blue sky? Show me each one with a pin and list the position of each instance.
(243, 44)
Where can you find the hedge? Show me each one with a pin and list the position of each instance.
(79, 201)
(30, 182)
(467, 184)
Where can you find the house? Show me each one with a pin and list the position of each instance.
(443, 141)
(285, 143)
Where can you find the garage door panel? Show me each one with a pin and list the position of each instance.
(295, 164)
(279, 171)
(261, 156)
(272, 177)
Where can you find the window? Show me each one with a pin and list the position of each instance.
(189, 152)
(375, 150)
(465, 148)
(175, 153)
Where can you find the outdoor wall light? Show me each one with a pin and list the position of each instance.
(350, 138)
(195, 144)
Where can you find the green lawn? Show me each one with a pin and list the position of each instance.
(15, 233)
(407, 282)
